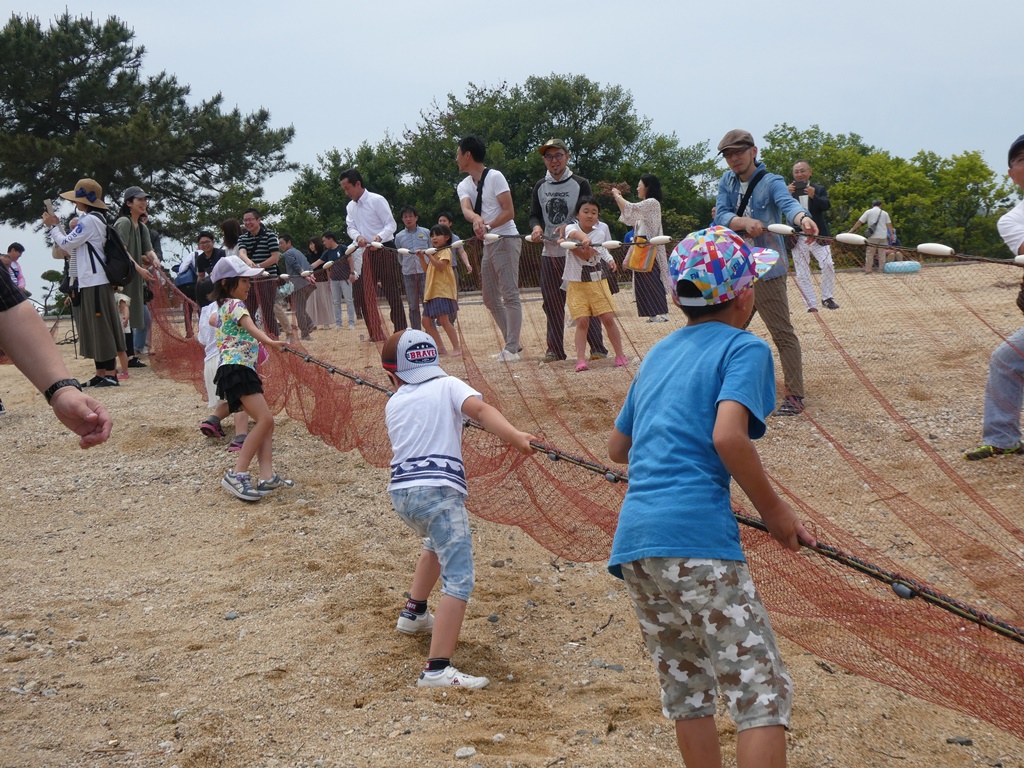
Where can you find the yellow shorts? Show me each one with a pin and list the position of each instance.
(589, 299)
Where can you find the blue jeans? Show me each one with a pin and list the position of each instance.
(1004, 393)
(438, 514)
(139, 335)
(341, 290)
(415, 284)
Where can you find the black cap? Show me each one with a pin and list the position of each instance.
(1014, 148)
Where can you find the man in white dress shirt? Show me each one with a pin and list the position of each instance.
(368, 219)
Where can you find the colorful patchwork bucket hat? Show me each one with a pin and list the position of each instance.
(719, 263)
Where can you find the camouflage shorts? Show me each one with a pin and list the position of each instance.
(706, 628)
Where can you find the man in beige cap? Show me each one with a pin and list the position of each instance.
(749, 199)
(552, 204)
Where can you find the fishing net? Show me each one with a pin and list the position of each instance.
(895, 382)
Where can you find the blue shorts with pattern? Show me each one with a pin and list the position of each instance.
(707, 630)
(438, 514)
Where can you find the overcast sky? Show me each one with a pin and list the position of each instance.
(906, 76)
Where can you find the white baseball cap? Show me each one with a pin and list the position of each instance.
(412, 356)
(233, 266)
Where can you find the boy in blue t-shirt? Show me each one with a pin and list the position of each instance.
(700, 396)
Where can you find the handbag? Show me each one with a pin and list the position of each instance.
(641, 256)
(874, 227)
(70, 288)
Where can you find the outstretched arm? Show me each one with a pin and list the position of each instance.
(491, 419)
(740, 458)
(25, 339)
(247, 323)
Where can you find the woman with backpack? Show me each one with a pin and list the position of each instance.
(99, 326)
(135, 237)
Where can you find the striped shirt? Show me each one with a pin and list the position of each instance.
(260, 247)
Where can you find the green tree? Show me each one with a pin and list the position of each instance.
(607, 139)
(53, 277)
(315, 202)
(73, 103)
(833, 159)
(967, 201)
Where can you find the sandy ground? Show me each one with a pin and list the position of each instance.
(148, 619)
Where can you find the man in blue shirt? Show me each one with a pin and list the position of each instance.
(749, 199)
(414, 238)
(295, 263)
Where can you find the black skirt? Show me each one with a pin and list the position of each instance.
(234, 382)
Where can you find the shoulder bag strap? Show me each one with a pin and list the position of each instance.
(480, 192)
(750, 190)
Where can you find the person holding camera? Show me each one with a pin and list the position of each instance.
(814, 198)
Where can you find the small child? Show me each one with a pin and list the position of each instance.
(207, 336)
(124, 310)
(238, 341)
(445, 218)
(677, 543)
(440, 297)
(428, 490)
(282, 311)
(589, 295)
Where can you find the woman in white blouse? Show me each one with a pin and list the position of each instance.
(99, 325)
(645, 218)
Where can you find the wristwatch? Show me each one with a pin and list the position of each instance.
(52, 389)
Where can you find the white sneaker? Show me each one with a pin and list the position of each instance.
(450, 677)
(410, 623)
(507, 357)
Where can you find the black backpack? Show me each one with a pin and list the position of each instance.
(116, 261)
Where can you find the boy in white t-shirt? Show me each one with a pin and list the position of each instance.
(428, 490)
(589, 295)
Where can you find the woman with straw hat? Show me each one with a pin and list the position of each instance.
(99, 328)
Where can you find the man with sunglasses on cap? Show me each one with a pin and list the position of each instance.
(749, 199)
(552, 204)
(1004, 389)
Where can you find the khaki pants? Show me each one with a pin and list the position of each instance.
(772, 303)
(877, 249)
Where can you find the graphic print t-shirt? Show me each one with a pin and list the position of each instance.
(425, 426)
(235, 345)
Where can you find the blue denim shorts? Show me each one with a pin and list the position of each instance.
(438, 514)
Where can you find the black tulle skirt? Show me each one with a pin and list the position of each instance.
(234, 382)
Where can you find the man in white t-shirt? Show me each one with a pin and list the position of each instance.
(486, 202)
(1004, 389)
(878, 233)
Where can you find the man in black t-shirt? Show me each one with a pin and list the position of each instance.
(208, 256)
(342, 278)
